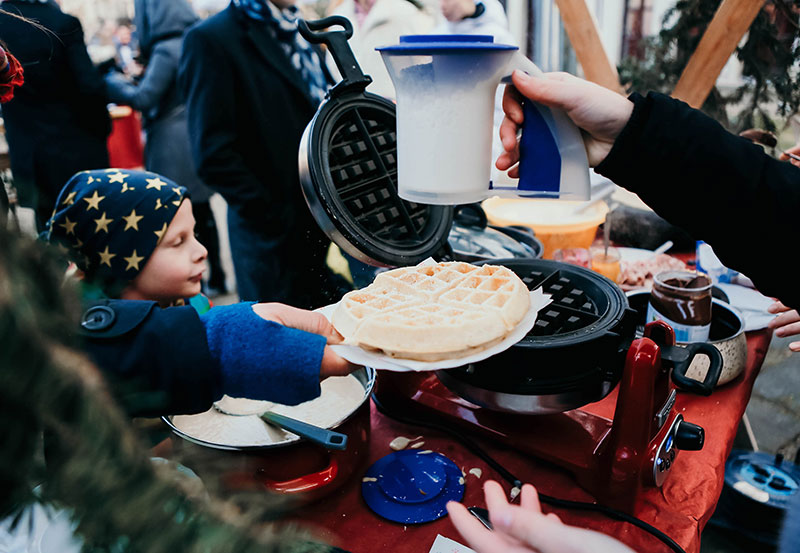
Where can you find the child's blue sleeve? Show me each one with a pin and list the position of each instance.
(261, 359)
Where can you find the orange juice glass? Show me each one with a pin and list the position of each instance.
(606, 263)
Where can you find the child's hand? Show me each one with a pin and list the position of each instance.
(310, 321)
(787, 323)
(525, 529)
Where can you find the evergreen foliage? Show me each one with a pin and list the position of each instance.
(769, 56)
(95, 466)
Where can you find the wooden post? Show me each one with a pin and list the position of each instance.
(582, 32)
(729, 24)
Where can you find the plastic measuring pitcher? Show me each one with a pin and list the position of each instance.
(445, 87)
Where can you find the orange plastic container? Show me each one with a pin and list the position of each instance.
(557, 223)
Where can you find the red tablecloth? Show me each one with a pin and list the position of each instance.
(681, 508)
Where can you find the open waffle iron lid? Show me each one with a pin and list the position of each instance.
(348, 168)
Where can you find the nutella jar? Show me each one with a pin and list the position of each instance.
(682, 299)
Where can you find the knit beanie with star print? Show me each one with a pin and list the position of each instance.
(109, 221)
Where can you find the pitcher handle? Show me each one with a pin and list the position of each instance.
(553, 162)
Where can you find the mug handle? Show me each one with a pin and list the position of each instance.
(683, 359)
(553, 161)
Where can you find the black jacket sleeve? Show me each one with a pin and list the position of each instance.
(156, 360)
(144, 96)
(721, 188)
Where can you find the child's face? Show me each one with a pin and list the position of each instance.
(175, 267)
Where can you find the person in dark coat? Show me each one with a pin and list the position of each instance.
(160, 25)
(57, 123)
(251, 85)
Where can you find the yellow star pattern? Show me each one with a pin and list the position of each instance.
(125, 187)
(160, 233)
(156, 183)
(133, 261)
(102, 223)
(132, 220)
(94, 201)
(177, 203)
(68, 225)
(158, 204)
(117, 177)
(91, 179)
(78, 244)
(105, 257)
(177, 190)
(70, 199)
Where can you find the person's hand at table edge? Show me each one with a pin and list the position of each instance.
(310, 321)
(525, 529)
(787, 323)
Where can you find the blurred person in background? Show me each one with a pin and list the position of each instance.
(251, 84)
(378, 23)
(127, 49)
(57, 123)
(160, 25)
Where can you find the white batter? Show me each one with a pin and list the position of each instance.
(340, 396)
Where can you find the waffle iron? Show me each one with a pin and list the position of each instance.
(582, 346)
(348, 168)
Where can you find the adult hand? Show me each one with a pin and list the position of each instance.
(787, 323)
(310, 321)
(456, 10)
(525, 529)
(793, 150)
(601, 113)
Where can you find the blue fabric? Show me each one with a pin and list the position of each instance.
(300, 53)
(261, 359)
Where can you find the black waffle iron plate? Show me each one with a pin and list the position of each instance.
(348, 168)
(573, 356)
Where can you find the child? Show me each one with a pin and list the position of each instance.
(131, 234)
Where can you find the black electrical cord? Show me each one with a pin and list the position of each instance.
(516, 482)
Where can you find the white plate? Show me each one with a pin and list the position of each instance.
(376, 360)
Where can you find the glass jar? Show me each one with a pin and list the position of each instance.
(682, 299)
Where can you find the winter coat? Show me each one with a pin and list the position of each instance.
(160, 25)
(57, 122)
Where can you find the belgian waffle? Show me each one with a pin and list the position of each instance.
(433, 312)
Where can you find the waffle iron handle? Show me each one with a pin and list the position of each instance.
(336, 41)
(682, 362)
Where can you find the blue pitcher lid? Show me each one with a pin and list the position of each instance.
(429, 44)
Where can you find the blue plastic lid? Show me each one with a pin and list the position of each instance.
(412, 486)
(430, 44)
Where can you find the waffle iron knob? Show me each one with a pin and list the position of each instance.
(689, 437)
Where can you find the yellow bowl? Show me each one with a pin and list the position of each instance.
(557, 223)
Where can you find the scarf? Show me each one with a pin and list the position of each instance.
(283, 24)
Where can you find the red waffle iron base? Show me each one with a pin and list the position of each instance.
(610, 458)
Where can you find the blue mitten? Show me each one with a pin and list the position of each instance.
(261, 359)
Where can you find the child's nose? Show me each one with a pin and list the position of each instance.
(200, 252)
